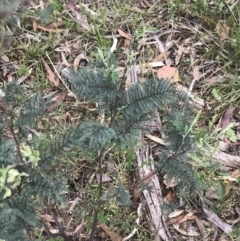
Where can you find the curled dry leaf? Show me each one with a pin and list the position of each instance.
(170, 183)
(64, 60)
(78, 59)
(170, 73)
(170, 196)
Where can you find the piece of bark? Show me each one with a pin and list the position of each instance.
(227, 159)
(153, 198)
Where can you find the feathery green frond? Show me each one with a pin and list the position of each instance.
(31, 109)
(96, 136)
(7, 149)
(178, 124)
(127, 129)
(13, 93)
(146, 97)
(179, 171)
(88, 136)
(120, 195)
(94, 84)
(46, 185)
(17, 213)
(174, 160)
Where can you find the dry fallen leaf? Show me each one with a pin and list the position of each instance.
(123, 34)
(136, 9)
(34, 24)
(200, 227)
(147, 3)
(190, 233)
(51, 76)
(5, 58)
(78, 59)
(175, 219)
(58, 101)
(53, 230)
(189, 216)
(161, 57)
(196, 74)
(170, 183)
(47, 218)
(181, 218)
(156, 139)
(136, 194)
(64, 60)
(10, 76)
(55, 25)
(175, 213)
(222, 30)
(63, 49)
(170, 73)
(226, 118)
(114, 236)
(82, 20)
(179, 53)
(235, 174)
(79, 227)
(170, 196)
(50, 30)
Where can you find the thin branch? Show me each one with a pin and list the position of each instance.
(100, 190)
(153, 172)
(14, 135)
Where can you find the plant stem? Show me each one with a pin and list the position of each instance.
(99, 202)
(11, 126)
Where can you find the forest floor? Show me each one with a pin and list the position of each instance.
(193, 43)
